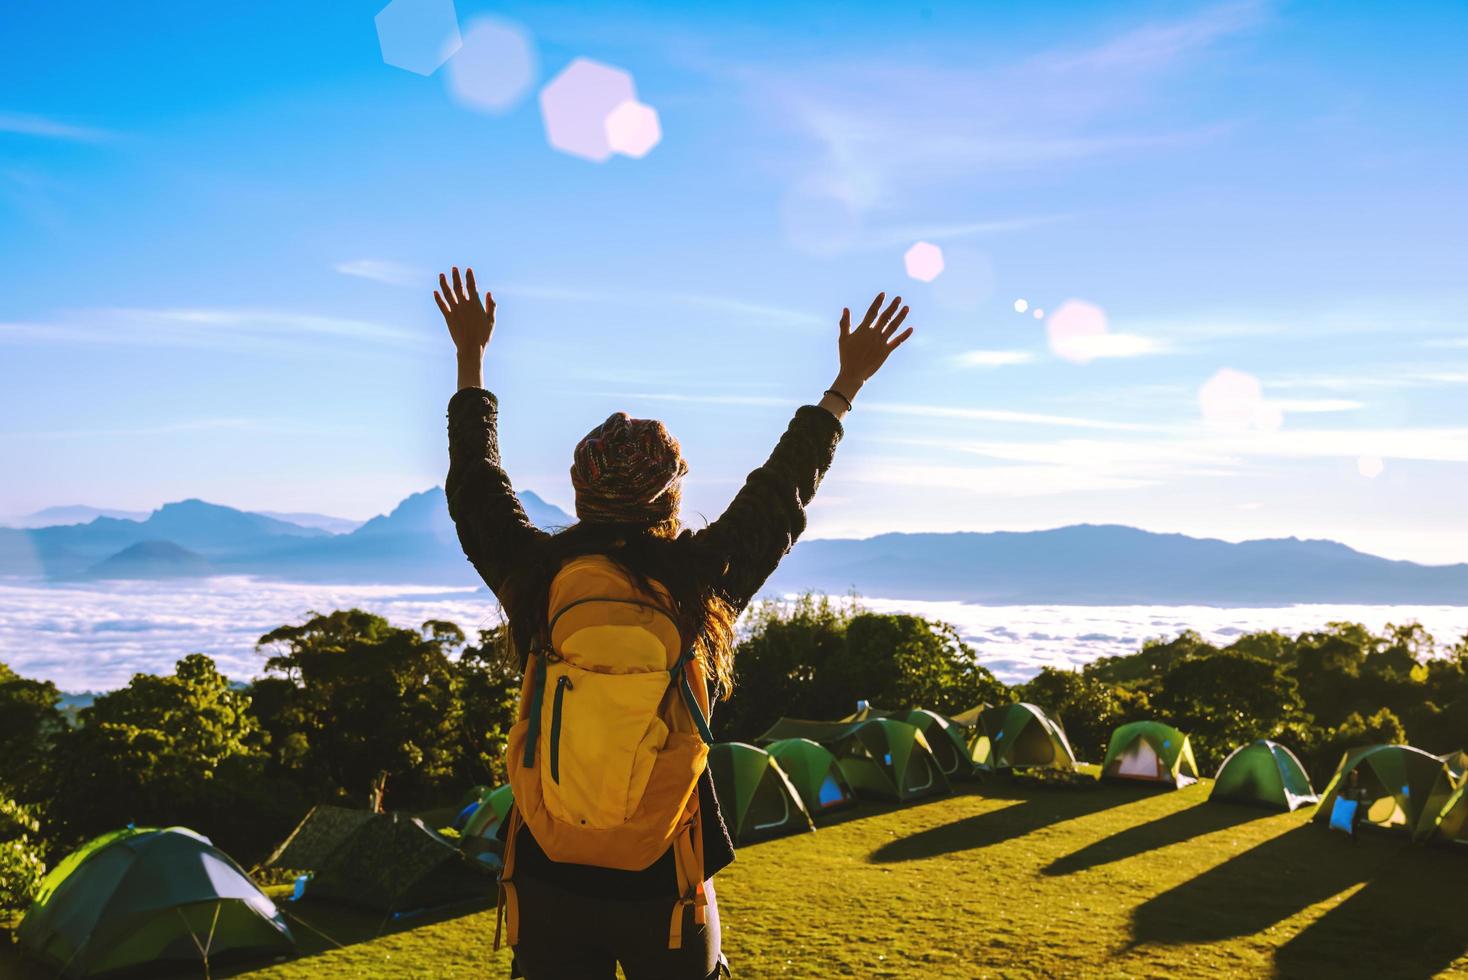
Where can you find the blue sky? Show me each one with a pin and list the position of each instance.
(219, 229)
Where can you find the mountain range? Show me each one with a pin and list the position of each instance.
(416, 543)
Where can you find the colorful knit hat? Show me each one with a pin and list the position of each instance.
(627, 470)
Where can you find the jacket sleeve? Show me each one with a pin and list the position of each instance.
(492, 526)
(766, 517)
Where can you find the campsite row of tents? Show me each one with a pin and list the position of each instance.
(150, 897)
(802, 770)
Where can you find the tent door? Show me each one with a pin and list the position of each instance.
(1139, 761)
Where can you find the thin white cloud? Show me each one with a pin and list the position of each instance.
(993, 358)
(206, 327)
(883, 132)
(1114, 345)
(881, 238)
(163, 429)
(1386, 377)
(1310, 406)
(990, 481)
(905, 409)
(25, 124)
(754, 313)
(387, 271)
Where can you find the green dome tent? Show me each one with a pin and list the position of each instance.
(480, 836)
(386, 862)
(761, 801)
(814, 773)
(970, 726)
(1263, 773)
(1450, 825)
(1020, 735)
(493, 807)
(1457, 763)
(1150, 752)
(149, 898)
(946, 740)
(1406, 787)
(879, 757)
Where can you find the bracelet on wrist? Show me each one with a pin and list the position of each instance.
(846, 401)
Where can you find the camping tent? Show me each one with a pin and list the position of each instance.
(387, 862)
(879, 757)
(970, 726)
(814, 773)
(480, 836)
(149, 898)
(761, 803)
(1150, 752)
(970, 718)
(1402, 784)
(1450, 825)
(1020, 735)
(947, 741)
(1457, 763)
(493, 806)
(1264, 773)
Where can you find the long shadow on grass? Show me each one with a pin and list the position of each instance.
(1174, 828)
(1042, 809)
(320, 927)
(1405, 922)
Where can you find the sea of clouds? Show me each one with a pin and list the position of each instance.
(95, 636)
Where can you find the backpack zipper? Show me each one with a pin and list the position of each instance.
(563, 684)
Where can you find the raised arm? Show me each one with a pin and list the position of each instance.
(766, 517)
(491, 524)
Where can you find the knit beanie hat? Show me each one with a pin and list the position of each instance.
(627, 470)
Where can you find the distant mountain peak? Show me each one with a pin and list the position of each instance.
(150, 559)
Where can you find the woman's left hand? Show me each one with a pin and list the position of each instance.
(470, 322)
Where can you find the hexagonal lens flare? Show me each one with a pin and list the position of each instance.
(418, 35)
(1074, 329)
(494, 68)
(1235, 400)
(924, 261)
(1020, 305)
(633, 129)
(577, 103)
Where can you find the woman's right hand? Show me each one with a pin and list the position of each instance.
(864, 350)
(470, 322)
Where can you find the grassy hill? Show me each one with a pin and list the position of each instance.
(1022, 881)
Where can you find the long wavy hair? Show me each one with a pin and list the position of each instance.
(645, 552)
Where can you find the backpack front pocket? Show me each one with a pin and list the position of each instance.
(602, 741)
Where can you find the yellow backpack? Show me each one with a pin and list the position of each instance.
(612, 737)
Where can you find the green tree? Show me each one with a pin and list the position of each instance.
(29, 726)
(1356, 731)
(179, 748)
(816, 659)
(21, 867)
(1156, 658)
(784, 648)
(360, 697)
(1225, 700)
(904, 661)
(489, 684)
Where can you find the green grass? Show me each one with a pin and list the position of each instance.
(1020, 881)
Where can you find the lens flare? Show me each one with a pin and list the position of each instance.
(418, 35)
(924, 261)
(577, 104)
